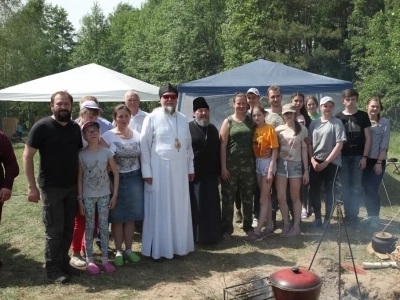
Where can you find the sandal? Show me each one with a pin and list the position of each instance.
(267, 232)
(293, 232)
(285, 230)
(254, 237)
(93, 269)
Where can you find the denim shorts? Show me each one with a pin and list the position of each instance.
(130, 198)
(262, 166)
(289, 169)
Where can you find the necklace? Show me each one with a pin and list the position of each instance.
(177, 143)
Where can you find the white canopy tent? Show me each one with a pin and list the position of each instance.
(94, 80)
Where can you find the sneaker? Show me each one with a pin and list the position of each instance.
(374, 222)
(354, 224)
(285, 230)
(366, 221)
(317, 223)
(293, 232)
(118, 260)
(108, 268)
(58, 277)
(93, 269)
(304, 214)
(78, 261)
(133, 257)
(255, 223)
(238, 216)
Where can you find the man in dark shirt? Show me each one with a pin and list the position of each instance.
(8, 170)
(354, 154)
(58, 140)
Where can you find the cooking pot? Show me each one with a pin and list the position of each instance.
(295, 284)
(383, 242)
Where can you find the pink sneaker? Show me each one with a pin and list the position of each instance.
(108, 268)
(93, 269)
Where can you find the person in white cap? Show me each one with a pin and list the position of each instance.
(105, 125)
(291, 162)
(327, 136)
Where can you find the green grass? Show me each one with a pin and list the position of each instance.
(200, 275)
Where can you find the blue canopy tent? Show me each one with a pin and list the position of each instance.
(261, 74)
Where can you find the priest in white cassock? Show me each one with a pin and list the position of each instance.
(167, 168)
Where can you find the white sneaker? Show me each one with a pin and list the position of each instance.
(78, 261)
(374, 222)
(255, 223)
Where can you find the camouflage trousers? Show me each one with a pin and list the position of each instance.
(242, 176)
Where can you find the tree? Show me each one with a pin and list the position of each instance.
(377, 59)
(92, 38)
(59, 33)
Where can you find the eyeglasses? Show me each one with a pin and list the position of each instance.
(168, 97)
(92, 132)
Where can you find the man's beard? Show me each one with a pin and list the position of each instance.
(203, 122)
(169, 109)
(62, 115)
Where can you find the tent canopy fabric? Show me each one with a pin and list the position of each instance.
(262, 74)
(219, 89)
(94, 80)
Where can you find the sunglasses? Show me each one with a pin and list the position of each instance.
(168, 97)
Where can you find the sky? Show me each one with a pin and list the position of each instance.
(76, 9)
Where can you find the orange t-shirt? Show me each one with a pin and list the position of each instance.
(264, 138)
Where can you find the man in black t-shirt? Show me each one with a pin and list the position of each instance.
(58, 140)
(354, 154)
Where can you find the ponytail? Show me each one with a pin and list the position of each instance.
(297, 128)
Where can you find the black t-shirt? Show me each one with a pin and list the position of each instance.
(354, 125)
(58, 147)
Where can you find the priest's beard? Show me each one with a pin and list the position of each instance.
(169, 109)
(62, 115)
(203, 122)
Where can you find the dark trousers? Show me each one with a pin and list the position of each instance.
(371, 183)
(328, 177)
(58, 214)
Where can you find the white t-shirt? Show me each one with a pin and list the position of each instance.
(127, 152)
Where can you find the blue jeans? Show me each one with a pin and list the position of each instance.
(371, 183)
(351, 177)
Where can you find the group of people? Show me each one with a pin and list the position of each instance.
(290, 151)
(166, 171)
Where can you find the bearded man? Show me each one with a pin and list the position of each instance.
(204, 193)
(58, 140)
(167, 168)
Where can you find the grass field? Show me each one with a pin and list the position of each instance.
(202, 274)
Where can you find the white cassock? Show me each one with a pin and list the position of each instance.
(167, 225)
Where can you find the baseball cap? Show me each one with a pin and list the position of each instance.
(288, 108)
(90, 123)
(326, 99)
(90, 104)
(253, 91)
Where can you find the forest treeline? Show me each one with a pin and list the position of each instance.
(182, 40)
